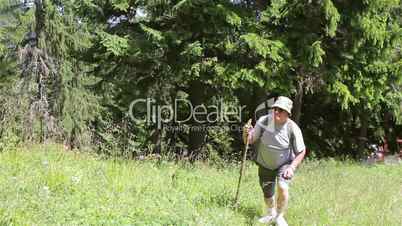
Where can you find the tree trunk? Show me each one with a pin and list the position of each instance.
(389, 133)
(40, 17)
(156, 139)
(298, 101)
(262, 4)
(363, 133)
(197, 129)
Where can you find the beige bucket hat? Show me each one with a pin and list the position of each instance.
(284, 103)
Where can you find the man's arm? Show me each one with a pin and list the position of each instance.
(247, 129)
(299, 158)
(289, 172)
(298, 146)
(251, 134)
(248, 135)
(254, 134)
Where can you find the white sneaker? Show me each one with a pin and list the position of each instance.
(267, 219)
(280, 221)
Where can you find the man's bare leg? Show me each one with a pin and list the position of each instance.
(271, 211)
(283, 199)
(270, 204)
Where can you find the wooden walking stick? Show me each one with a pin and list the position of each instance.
(242, 167)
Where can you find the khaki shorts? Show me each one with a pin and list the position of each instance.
(268, 179)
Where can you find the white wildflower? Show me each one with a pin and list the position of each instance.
(45, 163)
(45, 192)
(76, 179)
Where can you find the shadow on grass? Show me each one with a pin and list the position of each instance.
(226, 200)
(250, 212)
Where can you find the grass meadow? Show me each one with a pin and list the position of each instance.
(48, 186)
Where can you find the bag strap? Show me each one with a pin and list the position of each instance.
(266, 106)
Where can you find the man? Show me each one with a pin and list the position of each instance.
(281, 149)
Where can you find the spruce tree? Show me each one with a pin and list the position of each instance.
(51, 78)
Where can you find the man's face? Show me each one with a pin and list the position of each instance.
(280, 115)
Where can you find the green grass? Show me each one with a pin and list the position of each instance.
(45, 186)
